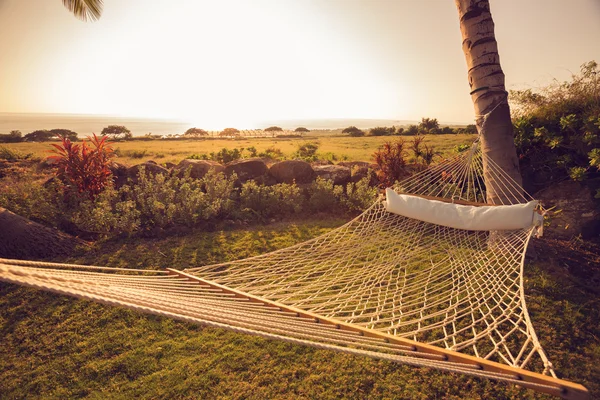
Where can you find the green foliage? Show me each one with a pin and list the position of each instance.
(391, 163)
(259, 201)
(13, 155)
(382, 131)
(462, 147)
(83, 169)
(117, 131)
(222, 156)
(556, 129)
(594, 157)
(324, 196)
(272, 153)
(307, 151)
(360, 195)
(411, 130)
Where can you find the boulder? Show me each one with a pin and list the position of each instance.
(339, 174)
(290, 171)
(150, 168)
(198, 168)
(247, 169)
(575, 211)
(119, 172)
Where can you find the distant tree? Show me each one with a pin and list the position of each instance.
(471, 128)
(84, 9)
(411, 130)
(229, 132)
(382, 131)
(447, 130)
(435, 131)
(15, 134)
(274, 129)
(301, 129)
(353, 131)
(116, 130)
(42, 135)
(399, 131)
(12, 137)
(64, 133)
(195, 133)
(427, 124)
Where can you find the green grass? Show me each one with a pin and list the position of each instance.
(57, 347)
(354, 149)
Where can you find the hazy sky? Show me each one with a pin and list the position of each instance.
(225, 62)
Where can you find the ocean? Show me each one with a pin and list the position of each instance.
(84, 125)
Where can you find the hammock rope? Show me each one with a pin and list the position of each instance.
(382, 285)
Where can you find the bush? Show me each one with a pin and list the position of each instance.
(353, 131)
(83, 170)
(324, 196)
(258, 201)
(222, 156)
(13, 155)
(307, 151)
(12, 137)
(391, 163)
(412, 130)
(360, 195)
(272, 153)
(557, 129)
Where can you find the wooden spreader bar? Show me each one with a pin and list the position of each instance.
(558, 387)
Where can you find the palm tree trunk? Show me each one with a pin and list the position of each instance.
(489, 96)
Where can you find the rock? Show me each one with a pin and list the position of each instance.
(169, 165)
(198, 168)
(360, 164)
(151, 169)
(247, 169)
(290, 171)
(119, 172)
(25, 239)
(340, 175)
(321, 162)
(575, 212)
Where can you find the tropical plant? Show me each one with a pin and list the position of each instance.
(390, 160)
(83, 169)
(84, 9)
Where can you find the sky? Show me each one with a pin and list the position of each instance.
(224, 63)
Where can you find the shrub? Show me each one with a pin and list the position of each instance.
(12, 137)
(83, 169)
(272, 153)
(324, 195)
(391, 162)
(556, 128)
(222, 156)
(307, 151)
(268, 201)
(411, 130)
(360, 195)
(13, 155)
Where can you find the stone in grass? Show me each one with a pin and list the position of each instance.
(150, 168)
(290, 171)
(339, 174)
(247, 169)
(198, 168)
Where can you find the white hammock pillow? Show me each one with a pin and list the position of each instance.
(472, 218)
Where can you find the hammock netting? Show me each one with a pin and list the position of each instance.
(382, 285)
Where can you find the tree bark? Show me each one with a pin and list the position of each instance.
(24, 239)
(490, 99)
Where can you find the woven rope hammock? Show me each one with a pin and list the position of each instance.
(384, 285)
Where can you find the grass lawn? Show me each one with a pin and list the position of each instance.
(58, 347)
(343, 146)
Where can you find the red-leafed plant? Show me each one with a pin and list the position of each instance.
(83, 169)
(391, 163)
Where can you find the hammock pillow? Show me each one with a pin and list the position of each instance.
(472, 218)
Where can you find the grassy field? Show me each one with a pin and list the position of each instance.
(58, 347)
(343, 146)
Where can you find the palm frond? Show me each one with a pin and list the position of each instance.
(84, 9)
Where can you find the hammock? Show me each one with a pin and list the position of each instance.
(403, 282)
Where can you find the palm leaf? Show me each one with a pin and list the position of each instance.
(85, 9)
